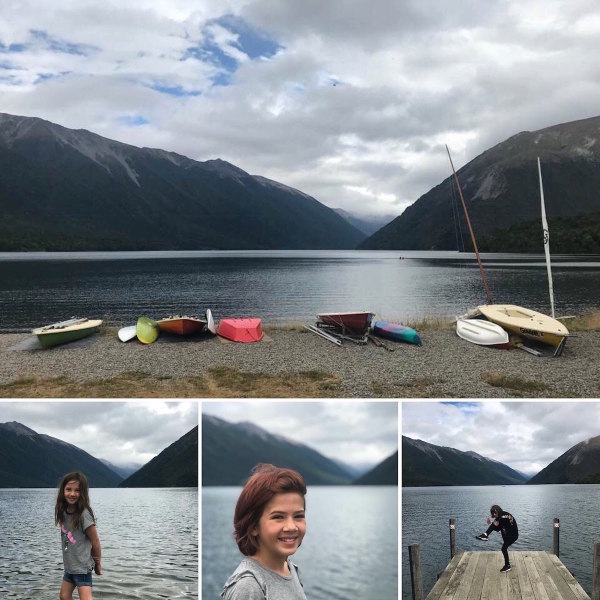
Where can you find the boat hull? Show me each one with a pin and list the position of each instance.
(482, 333)
(181, 325)
(52, 335)
(527, 323)
(358, 321)
(396, 332)
(146, 330)
(241, 330)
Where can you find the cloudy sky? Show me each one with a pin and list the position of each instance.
(358, 433)
(349, 101)
(526, 436)
(120, 432)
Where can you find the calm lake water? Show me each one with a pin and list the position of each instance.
(350, 549)
(426, 511)
(149, 541)
(279, 286)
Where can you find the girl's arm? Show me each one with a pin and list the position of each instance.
(92, 534)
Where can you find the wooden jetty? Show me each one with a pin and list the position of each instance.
(534, 575)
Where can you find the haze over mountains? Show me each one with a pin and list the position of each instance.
(30, 459)
(65, 189)
(231, 450)
(501, 190)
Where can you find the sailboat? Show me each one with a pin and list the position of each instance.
(524, 322)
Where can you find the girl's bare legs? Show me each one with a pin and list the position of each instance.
(85, 592)
(66, 591)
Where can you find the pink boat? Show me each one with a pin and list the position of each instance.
(357, 321)
(241, 330)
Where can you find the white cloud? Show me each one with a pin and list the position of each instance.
(353, 108)
(527, 436)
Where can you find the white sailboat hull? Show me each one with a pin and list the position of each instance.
(481, 332)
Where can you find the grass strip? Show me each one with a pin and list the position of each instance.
(514, 383)
(219, 382)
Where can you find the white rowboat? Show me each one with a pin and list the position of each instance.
(481, 332)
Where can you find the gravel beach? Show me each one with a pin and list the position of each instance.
(445, 366)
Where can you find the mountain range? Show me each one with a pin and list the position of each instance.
(579, 464)
(31, 459)
(231, 450)
(425, 464)
(175, 466)
(66, 189)
(501, 190)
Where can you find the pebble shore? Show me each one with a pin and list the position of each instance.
(445, 366)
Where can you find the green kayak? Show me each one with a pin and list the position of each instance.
(146, 330)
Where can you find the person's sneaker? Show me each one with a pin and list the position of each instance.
(482, 536)
(505, 568)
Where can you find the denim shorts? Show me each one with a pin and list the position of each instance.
(78, 579)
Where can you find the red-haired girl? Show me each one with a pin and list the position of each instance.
(79, 538)
(269, 524)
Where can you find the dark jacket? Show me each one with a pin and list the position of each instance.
(507, 526)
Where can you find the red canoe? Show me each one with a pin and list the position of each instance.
(241, 330)
(358, 321)
(181, 325)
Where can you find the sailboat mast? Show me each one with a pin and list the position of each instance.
(546, 239)
(485, 284)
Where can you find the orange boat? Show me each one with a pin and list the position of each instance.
(241, 330)
(182, 325)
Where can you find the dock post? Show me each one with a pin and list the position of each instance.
(556, 537)
(416, 579)
(452, 538)
(596, 573)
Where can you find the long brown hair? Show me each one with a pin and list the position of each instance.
(82, 503)
(266, 481)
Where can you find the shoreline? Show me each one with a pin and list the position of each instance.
(292, 363)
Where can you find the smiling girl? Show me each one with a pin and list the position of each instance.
(79, 538)
(269, 524)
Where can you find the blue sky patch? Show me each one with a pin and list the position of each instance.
(255, 44)
(133, 120)
(173, 90)
(57, 45)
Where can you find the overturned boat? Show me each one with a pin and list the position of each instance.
(182, 325)
(482, 333)
(241, 330)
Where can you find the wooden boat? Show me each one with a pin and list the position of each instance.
(482, 333)
(396, 332)
(66, 331)
(241, 330)
(357, 321)
(146, 330)
(526, 323)
(181, 325)
(127, 333)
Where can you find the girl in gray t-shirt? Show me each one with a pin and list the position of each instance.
(269, 523)
(79, 539)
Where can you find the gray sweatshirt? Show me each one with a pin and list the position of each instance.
(253, 581)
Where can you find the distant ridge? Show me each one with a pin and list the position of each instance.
(501, 190)
(425, 464)
(385, 473)
(29, 459)
(67, 189)
(579, 464)
(231, 450)
(175, 466)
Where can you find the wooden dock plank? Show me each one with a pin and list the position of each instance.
(573, 584)
(534, 576)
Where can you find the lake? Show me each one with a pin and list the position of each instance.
(426, 511)
(350, 549)
(279, 286)
(149, 541)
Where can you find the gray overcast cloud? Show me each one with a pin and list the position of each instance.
(120, 432)
(351, 102)
(526, 436)
(358, 433)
